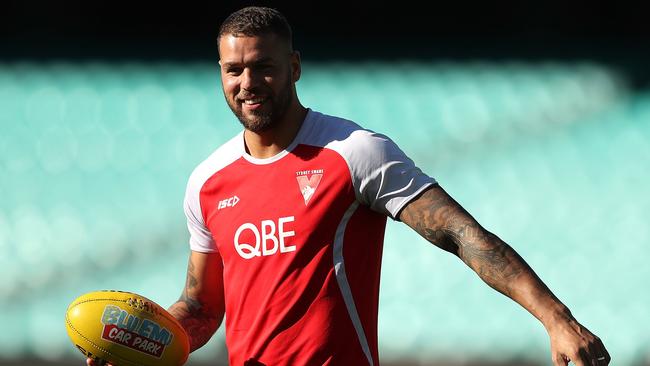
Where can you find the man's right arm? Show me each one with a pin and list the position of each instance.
(201, 306)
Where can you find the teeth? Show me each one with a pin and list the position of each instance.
(253, 101)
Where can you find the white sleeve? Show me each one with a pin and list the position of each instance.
(200, 237)
(383, 176)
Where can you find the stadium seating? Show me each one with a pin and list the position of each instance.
(552, 157)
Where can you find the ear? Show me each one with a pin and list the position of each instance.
(296, 68)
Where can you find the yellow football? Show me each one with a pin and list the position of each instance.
(126, 329)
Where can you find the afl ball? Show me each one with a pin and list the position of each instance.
(126, 329)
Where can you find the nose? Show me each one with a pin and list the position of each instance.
(249, 79)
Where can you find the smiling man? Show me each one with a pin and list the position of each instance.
(287, 223)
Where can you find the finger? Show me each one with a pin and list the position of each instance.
(602, 357)
(559, 360)
(608, 358)
(598, 353)
(583, 358)
(602, 352)
(97, 362)
(579, 362)
(594, 354)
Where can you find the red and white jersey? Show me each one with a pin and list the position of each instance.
(301, 237)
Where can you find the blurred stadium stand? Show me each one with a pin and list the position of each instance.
(534, 115)
(551, 156)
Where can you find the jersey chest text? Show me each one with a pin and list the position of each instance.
(258, 211)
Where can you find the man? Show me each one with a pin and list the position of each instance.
(287, 220)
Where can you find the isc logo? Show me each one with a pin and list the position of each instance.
(269, 237)
(228, 202)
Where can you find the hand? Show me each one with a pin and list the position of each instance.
(570, 341)
(91, 362)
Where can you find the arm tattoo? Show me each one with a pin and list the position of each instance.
(199, 321)
(442, 221)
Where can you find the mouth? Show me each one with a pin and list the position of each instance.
(254, 102)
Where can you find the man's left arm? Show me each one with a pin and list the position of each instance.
(442, 221)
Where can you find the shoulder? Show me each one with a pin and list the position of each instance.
(223, 156)
(343, 135)
(383, 176)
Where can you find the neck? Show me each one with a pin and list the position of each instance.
(269, 143)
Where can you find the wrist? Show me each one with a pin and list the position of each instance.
(558, 318)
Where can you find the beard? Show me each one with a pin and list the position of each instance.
(264, 120)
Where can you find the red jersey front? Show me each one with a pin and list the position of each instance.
(301, 237)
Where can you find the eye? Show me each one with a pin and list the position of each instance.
(264, 68)
(233, 70)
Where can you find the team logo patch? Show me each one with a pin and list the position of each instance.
(308, 181)
(140, 334)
